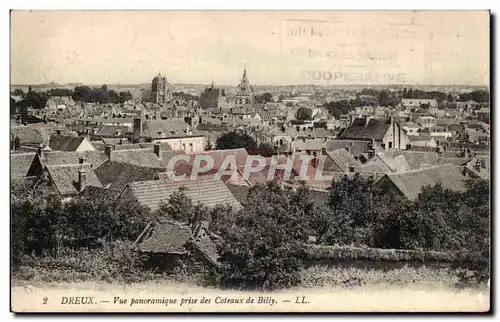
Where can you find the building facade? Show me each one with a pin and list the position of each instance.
(159, 89)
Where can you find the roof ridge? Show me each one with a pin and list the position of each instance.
(423, 169)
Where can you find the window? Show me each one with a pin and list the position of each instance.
(390, 145)
(190, 147)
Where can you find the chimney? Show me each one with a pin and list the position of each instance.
(17, 143)
(108, 149)
(347, 166)
(41, 151)
(82, 179)
(483, 163)
(82, 160)
(348, 148)
(157, 150)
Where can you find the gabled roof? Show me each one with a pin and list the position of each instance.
(20, 164)
(341, 157)
(410, 183)
(212, 127)
(115, 175)
(418, 159)
(95, 158)
(160, 129)
(94, 193)
(308, 145)
(384, 162)
(208, 192)
(165, 236)
(142, 157)
(374, 129)
(356, 147)
(112, 130)
(35, 134)
(65, 177)
(65, 142)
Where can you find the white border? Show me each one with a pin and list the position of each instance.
(190, 5)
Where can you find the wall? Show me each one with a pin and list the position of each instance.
(85, 146)
(177, 144)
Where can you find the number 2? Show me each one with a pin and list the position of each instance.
(45, 300)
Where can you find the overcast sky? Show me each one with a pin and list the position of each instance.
(110, 47)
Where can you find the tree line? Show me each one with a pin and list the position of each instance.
(38, 99)
(263, 245)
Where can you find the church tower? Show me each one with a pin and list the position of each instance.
(244, 93)
(159, 89)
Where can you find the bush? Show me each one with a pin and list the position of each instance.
(264, 247)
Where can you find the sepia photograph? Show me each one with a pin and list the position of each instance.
(250, 161)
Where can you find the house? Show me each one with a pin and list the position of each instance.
(69, 143)
(33, 135)
(417, 102)
(67, 180)
(341, 160)
(59, 103)
(176, 132)
(169, 243)
(53, 158)
(418, 159)
(383, 162)
(412, 128)
(478, 168)
(426, 121)
(354, 147)
(422, 141)
(410, 183)
(20, 164)
(311, 147)
(116, 175)
(156, 157)
(152, 193)
(385, 133)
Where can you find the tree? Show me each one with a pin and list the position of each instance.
(18, 92)
(265, 245)
(208, 146)
(264, 98)
(234, 140)
(266, 150)
(304, 113)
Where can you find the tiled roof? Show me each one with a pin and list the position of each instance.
(112, 130)
(341, 157)
(65, 142)
(20, 164)
(316, 145)
(240, 192)
(375, 129)
(95, 158)
(356, 147)
(207, 192)
(116, 176)
(167, 237)
(170, 128)
(35, 134)
(142, 157)
(94, 193)
(212, 127)
(410, 183)
(418, 159)
(65, 177)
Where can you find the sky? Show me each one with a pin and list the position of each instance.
(276, 47)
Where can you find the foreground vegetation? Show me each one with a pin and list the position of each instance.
(264, 245)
